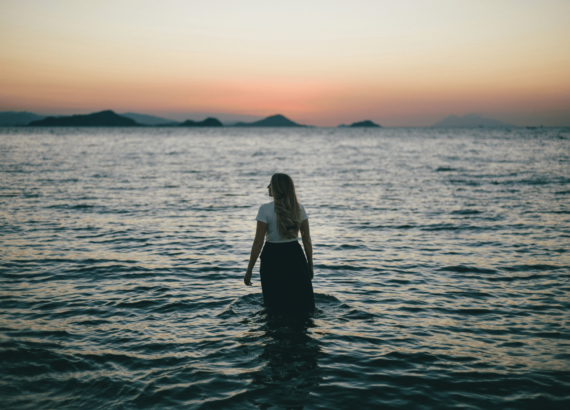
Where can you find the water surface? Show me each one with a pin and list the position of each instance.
(442, 272)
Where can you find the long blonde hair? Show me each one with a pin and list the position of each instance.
(287, 208)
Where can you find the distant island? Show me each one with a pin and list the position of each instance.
(272, 121)
(208, 122)
(366, 123)
(470, 121)
(99, 119)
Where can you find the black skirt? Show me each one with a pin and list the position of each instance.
(285, 278)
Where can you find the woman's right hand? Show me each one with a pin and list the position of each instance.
(247, 278)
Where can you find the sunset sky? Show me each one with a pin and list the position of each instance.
(399, 63)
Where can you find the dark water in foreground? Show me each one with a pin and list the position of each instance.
(441, 258)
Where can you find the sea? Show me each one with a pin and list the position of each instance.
(442, 269)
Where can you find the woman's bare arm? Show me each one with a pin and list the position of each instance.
(306, 236)
(255, 250)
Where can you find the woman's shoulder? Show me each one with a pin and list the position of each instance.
(267, 206)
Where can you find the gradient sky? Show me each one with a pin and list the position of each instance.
(399, 63)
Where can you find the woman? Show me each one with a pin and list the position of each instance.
(285, 273)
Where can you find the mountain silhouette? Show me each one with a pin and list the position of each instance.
(365, 123)
(272, 121)
(98, 119)
(208, 122)
(469, 121)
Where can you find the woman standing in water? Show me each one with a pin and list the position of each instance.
(285, 272)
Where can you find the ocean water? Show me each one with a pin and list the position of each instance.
(442, 269)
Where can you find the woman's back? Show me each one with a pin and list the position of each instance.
(267, 214)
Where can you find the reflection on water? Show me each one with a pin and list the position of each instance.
(288, 361)
(284, 355)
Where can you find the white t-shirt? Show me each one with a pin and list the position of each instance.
(267, 214)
